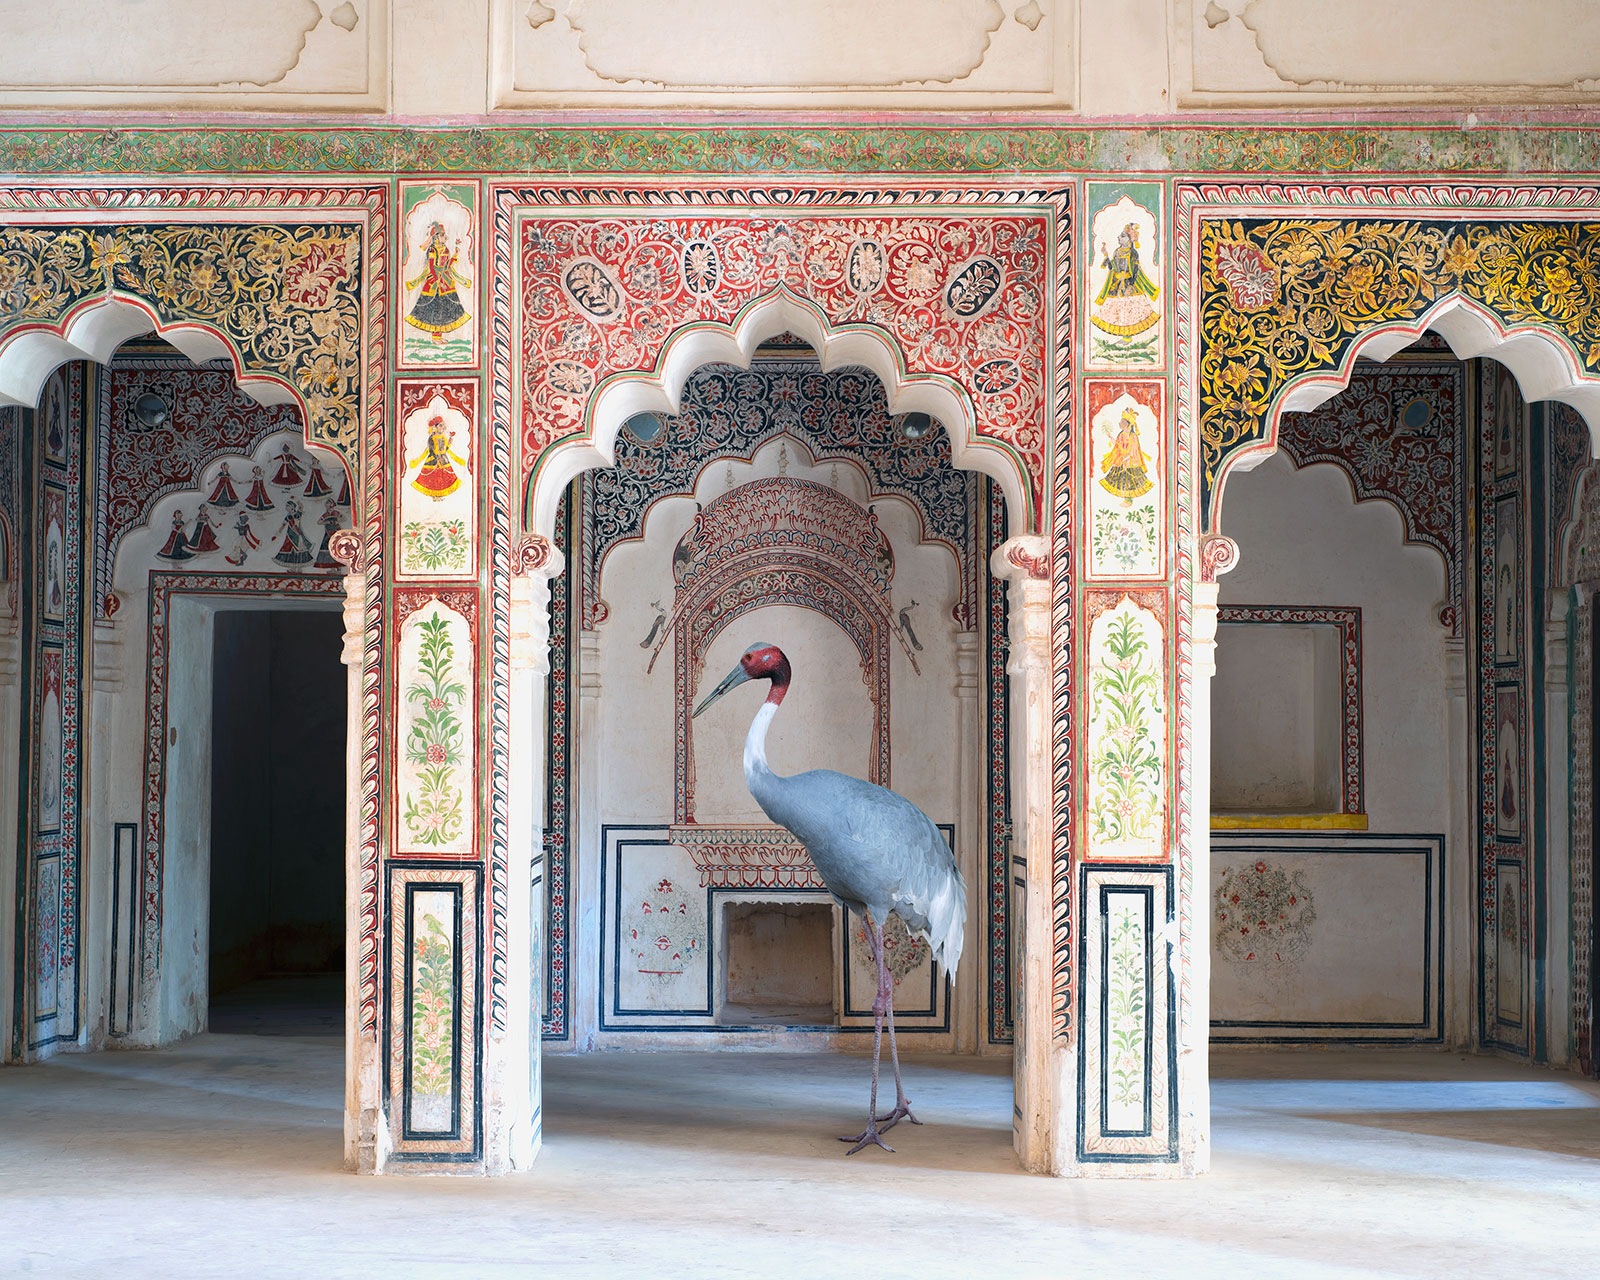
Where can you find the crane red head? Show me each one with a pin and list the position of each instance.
(760, 661)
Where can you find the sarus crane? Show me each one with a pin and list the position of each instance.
(877, 852)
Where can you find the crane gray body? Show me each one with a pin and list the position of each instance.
(877, 851)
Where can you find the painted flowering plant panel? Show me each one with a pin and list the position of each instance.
(437, 741)
(1127, 734)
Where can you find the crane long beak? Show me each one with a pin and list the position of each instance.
(732, 680)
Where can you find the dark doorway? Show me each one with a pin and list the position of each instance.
(277, 823)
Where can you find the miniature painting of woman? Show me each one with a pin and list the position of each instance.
(317, 486)
(177, 546)
(288, 471)
(222, 493)
(1123, 305)
(1123, 468)
(435, 476)
(295, 547)
(438, 308)
(203, 539)
(258, 499)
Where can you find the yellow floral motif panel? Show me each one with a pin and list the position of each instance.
(1288, 297)
(287, 297)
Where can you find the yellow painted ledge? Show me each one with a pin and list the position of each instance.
(1288, 822)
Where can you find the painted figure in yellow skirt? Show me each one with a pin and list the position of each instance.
(438, 308)
(435, 476)
(1123, 307)
(1122, 470)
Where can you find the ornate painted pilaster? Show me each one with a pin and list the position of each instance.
(513, 1085)
(1041, 1070)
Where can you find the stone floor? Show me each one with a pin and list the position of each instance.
(220, 1157)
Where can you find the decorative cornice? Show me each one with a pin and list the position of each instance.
(1559, 143)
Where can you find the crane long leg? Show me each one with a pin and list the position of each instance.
(902, 1104)
(879, 1004)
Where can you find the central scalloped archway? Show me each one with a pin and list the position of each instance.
(951, 299)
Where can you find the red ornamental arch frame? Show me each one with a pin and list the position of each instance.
(969, 289)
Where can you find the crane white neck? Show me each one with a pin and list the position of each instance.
(755, 744)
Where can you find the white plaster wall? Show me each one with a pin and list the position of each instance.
(825, 722)
(1304, 541)
(421, 58)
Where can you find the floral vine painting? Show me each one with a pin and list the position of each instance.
(433, 1009)
(1127, 733)
(437, 745)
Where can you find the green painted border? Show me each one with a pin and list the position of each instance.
(1568, 145)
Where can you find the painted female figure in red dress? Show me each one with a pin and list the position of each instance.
(435, 476)
(258, 499)
(1123, 468)
(317, 486)
(177, 546)
(203, 538)
(288, 471)
(222, 493)
(438, 308)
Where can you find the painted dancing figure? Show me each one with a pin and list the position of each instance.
(317, 486)
(258, 499)
(438, 308)
(344, 488)
(331, 524)
(295, 547)
(247, 540)
(435, 476)
(203, 538)
(288, 471)
(1123, 468)
(177, 547)
(222, 493)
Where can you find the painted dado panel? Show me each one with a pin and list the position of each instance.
(1320, 937)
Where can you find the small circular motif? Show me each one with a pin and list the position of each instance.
(973, 288)
(702, 267)
(866, 266)
(569, 376)
(994, 376)
(592, 290)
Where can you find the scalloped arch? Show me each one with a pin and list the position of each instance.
(778, 311)
(1543, 363)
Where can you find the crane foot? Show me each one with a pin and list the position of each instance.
(867, 1136)
(902, 1111)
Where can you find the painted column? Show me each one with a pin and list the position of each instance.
(1044, 1123)
(969, 1014)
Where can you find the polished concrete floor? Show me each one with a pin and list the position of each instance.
(220, 1157)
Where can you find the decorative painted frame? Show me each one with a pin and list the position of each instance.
(455, 551)
(164, 584)
(1347, 620)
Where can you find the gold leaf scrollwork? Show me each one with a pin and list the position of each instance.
(288, 298)
(1288, 297)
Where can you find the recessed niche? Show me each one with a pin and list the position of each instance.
(778, 963)
(1276, 719)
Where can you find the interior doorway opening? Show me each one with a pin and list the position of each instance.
(276, 935)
